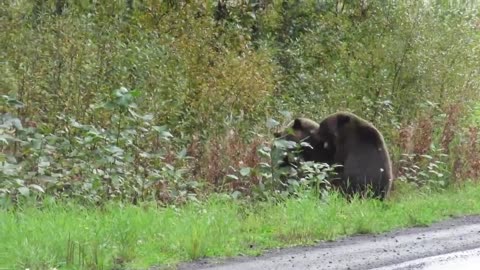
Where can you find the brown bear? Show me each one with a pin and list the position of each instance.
(303, 130)
(361, 150)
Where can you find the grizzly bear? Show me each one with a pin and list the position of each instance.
(361, 151)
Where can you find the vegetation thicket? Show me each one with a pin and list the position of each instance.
(171, 100)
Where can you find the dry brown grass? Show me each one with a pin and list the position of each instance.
(221, 156)
(415, 139)
(467, 159)
(422, 135)
(450, 126)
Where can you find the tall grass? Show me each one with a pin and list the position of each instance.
(60, 234)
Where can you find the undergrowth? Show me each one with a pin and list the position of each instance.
(173, 100)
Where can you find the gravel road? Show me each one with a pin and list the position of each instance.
(383, 251)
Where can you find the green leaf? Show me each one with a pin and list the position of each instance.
(122, 91)
(231, 176)
(13, 102)
(24, 191)
(245, 171)
(135, 93)
(10, 122)
(284, 144)
(147, 117)
(271, 123)
(286, 114)
(115, 150)
(182, 154)
(163, 132)
(44, 163)
(236, 194)
(4, 138)
(75, 124)
(145, 155)
(264, 151)
(306, 144)
(37, 188)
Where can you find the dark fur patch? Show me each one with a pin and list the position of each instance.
(361, 150)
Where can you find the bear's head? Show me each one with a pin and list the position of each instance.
(304, 130)
(298, 130)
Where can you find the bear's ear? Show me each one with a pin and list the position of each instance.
(337, 122)
(332, 125)
(297, 124)
(342, 120)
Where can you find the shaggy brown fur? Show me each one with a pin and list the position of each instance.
(361, 150)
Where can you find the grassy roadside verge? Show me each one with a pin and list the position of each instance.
(69, 236)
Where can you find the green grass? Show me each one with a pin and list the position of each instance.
(70, 236)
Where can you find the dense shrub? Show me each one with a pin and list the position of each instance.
(166, 99)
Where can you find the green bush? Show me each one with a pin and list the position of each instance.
(203, 72)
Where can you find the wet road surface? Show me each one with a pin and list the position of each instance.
(458, 240)
(461, 260)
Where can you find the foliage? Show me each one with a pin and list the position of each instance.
(91, 162)
(298, 175)
(425, 170)
(168, 100)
